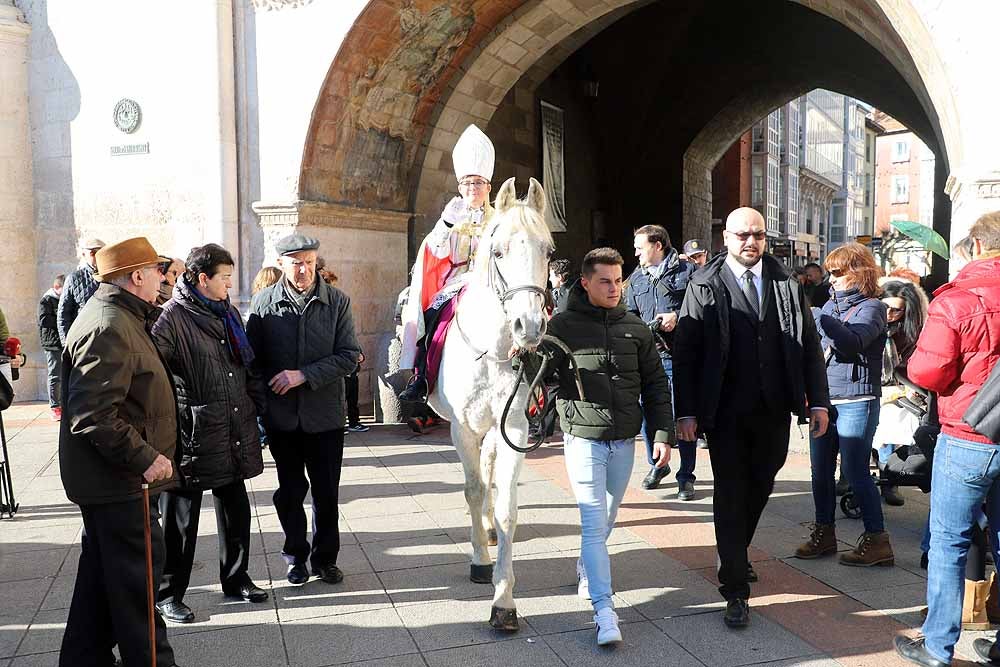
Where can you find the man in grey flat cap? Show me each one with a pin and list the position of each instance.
(302, 334)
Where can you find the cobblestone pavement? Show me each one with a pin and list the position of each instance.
(406, 599)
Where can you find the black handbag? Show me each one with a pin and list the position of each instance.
(983, 414)
(6, 393)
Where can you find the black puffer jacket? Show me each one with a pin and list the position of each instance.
(77, 290)
(48, 332)
(320, 342)
(220, 441)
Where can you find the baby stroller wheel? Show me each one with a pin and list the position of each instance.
(850, 507)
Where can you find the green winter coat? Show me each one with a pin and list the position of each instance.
(619, 365)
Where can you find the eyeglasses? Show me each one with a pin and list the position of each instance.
(759, 235)
(838, 273)
(478, 183)
(895, 310)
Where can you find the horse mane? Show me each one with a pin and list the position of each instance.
(519, 218)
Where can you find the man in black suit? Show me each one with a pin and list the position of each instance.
(746, 355)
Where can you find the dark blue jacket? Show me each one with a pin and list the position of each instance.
(647, 297)
(853, 347)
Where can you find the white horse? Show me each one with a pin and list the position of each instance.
(503, 307)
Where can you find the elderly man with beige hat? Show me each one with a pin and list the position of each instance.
(119, 430)
(79, 286)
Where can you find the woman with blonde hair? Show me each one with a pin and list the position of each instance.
(266, 277)
(853, 328)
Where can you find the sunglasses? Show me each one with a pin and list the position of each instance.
(838, 273)
(759, 235)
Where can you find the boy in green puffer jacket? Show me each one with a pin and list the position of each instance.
(622, 382)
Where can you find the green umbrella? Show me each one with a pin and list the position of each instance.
(923, 235)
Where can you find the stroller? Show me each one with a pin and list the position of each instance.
(909, 465)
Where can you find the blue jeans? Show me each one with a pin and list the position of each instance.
(688, 450)
(599, 472)
(852, 427)
(964, 476)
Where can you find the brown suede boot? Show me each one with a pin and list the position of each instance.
(822, 541)
(872, 549)
(974, 605)
(993, 601)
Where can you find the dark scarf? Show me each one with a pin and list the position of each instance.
(239, 344)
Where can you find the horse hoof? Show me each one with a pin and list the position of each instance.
(492, 538)
(504, 619)
(481, 574)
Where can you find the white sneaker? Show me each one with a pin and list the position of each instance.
(582, 585)
(607, 627)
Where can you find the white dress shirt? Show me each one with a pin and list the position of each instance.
(758, 275)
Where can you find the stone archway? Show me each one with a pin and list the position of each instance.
(411, 74)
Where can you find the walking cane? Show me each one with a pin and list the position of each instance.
(149, 571)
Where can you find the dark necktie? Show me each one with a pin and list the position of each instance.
(750, 291)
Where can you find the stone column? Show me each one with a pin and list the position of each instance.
(971, 197)
(697, 211)
(366, 248)
(18, 255)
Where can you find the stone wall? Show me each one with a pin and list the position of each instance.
(18, 287)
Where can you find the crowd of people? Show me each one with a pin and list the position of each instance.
(161, 386)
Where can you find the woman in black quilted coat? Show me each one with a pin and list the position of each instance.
(201, 337)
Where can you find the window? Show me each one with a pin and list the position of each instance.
(758, 184)
(900, 189)
(757, 136)
(900, 150)
(837, 234)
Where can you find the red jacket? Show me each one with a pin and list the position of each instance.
(960, 343)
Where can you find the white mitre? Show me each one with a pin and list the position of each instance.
(473, 155)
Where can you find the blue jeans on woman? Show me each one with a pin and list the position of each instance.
(852, 427)
(965, 474)
(599, 472)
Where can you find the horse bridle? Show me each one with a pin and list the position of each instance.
(499, 284)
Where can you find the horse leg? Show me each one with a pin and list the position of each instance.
(487, 463)
(468, 444)
(508, 468)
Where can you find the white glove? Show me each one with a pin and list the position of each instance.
(455, 212)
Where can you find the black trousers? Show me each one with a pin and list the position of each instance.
(110, 604)
(321, 455)
(351, 395)
(746, 455)
(181, 509)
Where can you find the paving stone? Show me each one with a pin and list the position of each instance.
(12, 630)
(411, 553)
(214, 611)
(396, 527)
(644, 644)
(356, 593)
(705, 637)
(50, 659)
(346, 638)
(251, 646)
(434, 583)
(452, 623)
(21, 599)
(814, 661)
(562, 610)
(31, 564)
(515, 653)
(45, 633)
(902, 603)
(850, 579)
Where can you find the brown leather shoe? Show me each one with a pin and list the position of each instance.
(822, 542)
(872, 549)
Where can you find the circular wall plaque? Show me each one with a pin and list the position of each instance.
(127, 115)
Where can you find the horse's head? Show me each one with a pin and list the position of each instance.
(514, 253)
